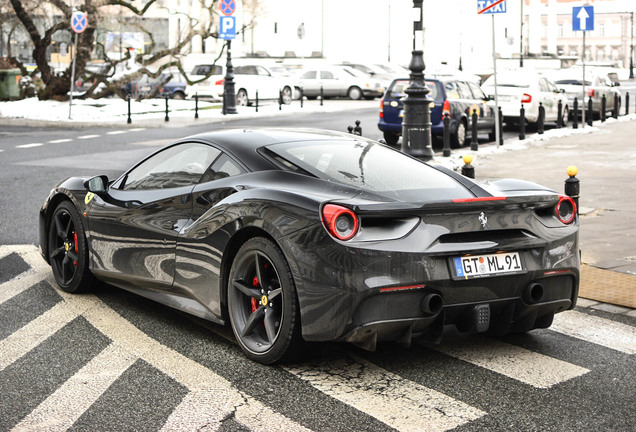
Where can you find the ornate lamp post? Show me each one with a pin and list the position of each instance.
(416, 126)
(229, 91)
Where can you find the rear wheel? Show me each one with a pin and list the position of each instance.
(241, 98)
(458, 139)
(391, 138)
(67, 249)
(178, 95)
(262, 302)
(354, 93)
(288, 95)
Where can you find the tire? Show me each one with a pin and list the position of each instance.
(68, 251)
(241, 98)
(391, 138)
(354, 93)
(492, 135)
(288, 95)
(458, 139)
(178, 95)
(262, 303)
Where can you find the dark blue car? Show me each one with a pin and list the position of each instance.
(458, 98)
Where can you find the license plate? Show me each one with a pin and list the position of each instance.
(475, 266)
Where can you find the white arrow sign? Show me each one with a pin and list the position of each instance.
(583, 16)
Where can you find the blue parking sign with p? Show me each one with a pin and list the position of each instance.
(227, 27)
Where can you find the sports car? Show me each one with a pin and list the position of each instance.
(292, 235)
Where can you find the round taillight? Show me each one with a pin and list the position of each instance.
(341, 222)
(566, 210)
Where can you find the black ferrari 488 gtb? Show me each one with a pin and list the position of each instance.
(293, 235)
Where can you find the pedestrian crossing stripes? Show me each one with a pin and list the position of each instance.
(213, 402)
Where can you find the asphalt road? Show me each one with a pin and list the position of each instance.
(109, 360)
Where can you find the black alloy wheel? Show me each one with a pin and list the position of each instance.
(67, 249)
(262, 302)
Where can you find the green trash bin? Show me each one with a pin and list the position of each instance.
(9, 88)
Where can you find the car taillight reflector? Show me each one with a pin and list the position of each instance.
(78, 83)
(341, 222)
(219, 82)
(526, 98)
(591, 92)
(477, 199)
(402, 288)
(446, 107)
(382, 108)
(566, 210)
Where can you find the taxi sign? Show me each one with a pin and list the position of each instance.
(79, 21)
(485, 7)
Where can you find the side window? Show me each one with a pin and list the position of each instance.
(326, 75)
(176, 166)
(477, 91)
(464, 90)
(222, 167)
(260, 70)
(452, 92)
(309, 75)
(543, 85)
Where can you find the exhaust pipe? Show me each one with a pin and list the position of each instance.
(432, 304)
(533, 293)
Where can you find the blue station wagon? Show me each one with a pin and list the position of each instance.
(458, 98)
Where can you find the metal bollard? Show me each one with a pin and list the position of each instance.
(603, 107)
(500, 126)
(223, 111)
(575, 118)
(129, 121)
(196, 105)
(322, 95)
(522, 123)
(590, 118)
(615, 110)
(350, 129)
(357, 130)
(302, 97)
(560, 114)
(626, 103)
(468, 170)
(166, 118)
(541, 121)
(447, 148)
(573, 185)
(280, 100)
(474, 144)
(256, 100)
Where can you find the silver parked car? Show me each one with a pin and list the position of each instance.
(598, 83)
(339, 81)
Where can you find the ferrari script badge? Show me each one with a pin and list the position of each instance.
(483, 219)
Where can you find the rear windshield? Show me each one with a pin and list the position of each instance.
(572, 82)
(371, 167)
(398, 87)
(508, 81)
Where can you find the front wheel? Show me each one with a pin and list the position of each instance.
(288, 95)
(68, 251)
(241, 98)
(354, 93)
(262, 302)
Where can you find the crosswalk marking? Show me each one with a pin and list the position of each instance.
(398, 402)
(515, 362)
(24, 281)
(61, 409)
(59, 141)
(601, 331)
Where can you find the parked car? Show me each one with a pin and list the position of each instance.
(597, 85)
(248, 80)
(174, 88)
(87, 79)
(451, 95)
(374, 71)
(339, 81)
(527, 88)
(303, 235)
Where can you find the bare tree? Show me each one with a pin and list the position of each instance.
(42, 19)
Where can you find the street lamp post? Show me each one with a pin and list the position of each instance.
(416, 126)
(229, 90)
(631, 50)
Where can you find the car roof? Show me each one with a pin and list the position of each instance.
(244, 143)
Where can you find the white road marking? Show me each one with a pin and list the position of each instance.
(83, 137)
(31, 255)
(66, 405)
(59, 141)
(137, 129)
(600, 331)
(398, 402)
(23, 146)
(117, 132)
(517, 363)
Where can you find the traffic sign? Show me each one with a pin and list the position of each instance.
(227, 27)
(583, 18)
(228, 7)
(485, 7)
(79, 21)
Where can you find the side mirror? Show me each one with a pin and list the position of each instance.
(616, 83)
(97, 185)
(561, 90)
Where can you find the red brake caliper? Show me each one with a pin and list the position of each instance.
(76, 247)
(254, 302)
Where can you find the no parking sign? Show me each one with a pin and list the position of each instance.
(79, 21)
